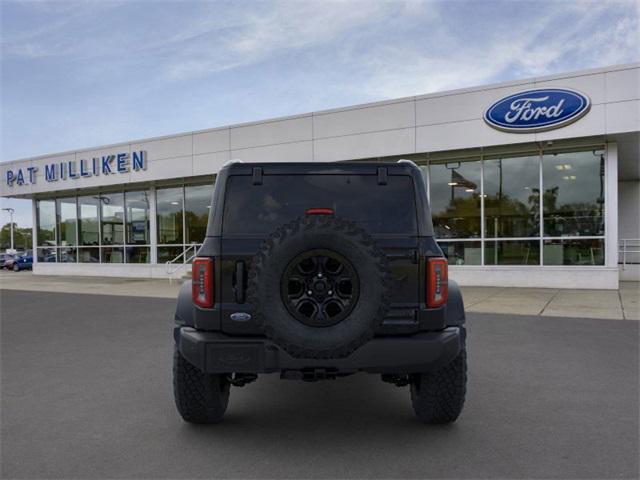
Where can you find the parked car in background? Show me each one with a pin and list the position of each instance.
(7, 260)
(23, 262)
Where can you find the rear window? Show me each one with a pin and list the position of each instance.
(259, 209)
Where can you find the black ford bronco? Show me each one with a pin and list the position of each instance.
(318, 271)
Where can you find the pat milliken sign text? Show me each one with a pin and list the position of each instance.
(115, 164)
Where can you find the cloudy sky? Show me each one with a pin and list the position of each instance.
(80, 74)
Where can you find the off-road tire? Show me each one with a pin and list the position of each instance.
(200, 397)
(438, 397)
(304, 234)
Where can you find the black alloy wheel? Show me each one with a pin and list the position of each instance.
(320, 288)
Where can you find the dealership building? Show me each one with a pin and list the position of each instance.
(533, 183)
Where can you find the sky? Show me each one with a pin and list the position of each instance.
(87, 73)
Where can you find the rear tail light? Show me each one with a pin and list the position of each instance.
(437, 282)
(202, 282)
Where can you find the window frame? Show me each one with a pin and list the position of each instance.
(540, 152)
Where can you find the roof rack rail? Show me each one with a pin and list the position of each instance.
(410, 162)
(231, 162)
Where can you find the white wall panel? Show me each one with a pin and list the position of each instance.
(209, 163)
(286, 152)
(592, 85)
(623, 117)
(166, 147)
(100, 152)
(536, 277)
(211, 141)
(456, 108)
(361, 120)
(392, 142)
(629, 209)
(593, 123)
(623, 85)
(165, 168)
(271, 133)
(469, 134)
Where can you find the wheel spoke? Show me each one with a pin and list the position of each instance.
(320, 288)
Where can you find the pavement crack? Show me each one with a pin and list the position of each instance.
(624, 315)
(547, 304)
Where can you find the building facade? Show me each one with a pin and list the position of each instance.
(532, 182)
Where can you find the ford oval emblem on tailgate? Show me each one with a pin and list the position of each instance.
(240, 317)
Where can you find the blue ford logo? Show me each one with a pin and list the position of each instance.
(537, 110)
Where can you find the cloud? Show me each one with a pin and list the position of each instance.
(287, 26)
(526, 47)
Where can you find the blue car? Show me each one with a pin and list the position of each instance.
(23, 262)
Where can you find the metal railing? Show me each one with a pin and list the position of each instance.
(628, 247)
(172, 266)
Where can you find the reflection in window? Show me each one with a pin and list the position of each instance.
(574, 252)
(166, 254)
(88, 220)
(112, 218)
(112, 255)
(573, 198)
(512, 252)
(197, 199)
(462, 253)
(169, 207)
(137, 218)
(455, 199)
(137, 254)
(512, 197)
(67, 212)
(89, 255)
(67, 255)
(46, 217)
(46, 254)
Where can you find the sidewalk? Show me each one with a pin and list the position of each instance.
(607, 304)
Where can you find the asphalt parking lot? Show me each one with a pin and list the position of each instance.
(86, 393)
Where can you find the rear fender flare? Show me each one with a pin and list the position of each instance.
(455, 306)
(184, 309)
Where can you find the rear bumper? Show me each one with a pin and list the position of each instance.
(214, 352)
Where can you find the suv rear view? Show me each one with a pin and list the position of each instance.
(317, 271)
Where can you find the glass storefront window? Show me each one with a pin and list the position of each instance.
(112, 218)
(137, 254)
(46, 217)
(197, 203)
(89, 255)
(88, 227)
(137, 218)
(46, 254)
(169, 215)
(67, 221)
(512, 252)
(455, 199)
(512, 197)
(166, 254)
(573, 198)
(574, 252)
(462, 253)
(67, 254)
(112, 255)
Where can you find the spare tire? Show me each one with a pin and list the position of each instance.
(319, 287)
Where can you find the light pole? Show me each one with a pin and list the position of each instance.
(11, 212)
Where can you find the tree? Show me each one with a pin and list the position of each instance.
(21, 237)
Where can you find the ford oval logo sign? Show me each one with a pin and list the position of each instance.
(537, 110)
